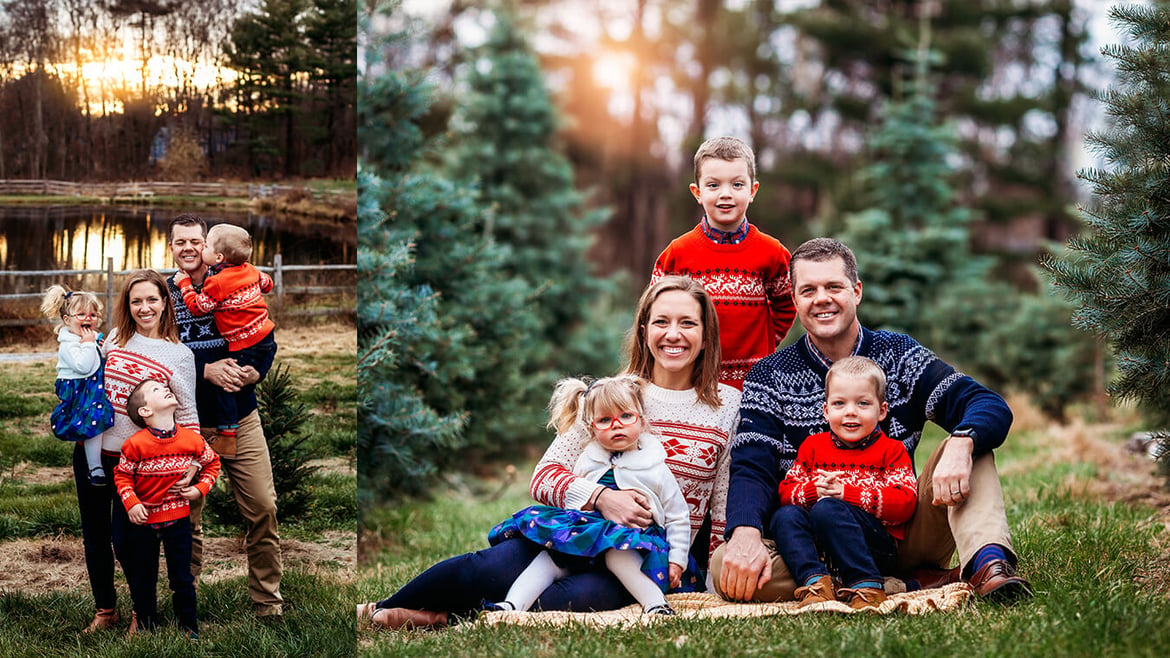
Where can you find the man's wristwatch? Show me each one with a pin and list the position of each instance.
(967, 432)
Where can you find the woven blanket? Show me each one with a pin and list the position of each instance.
(710, 606)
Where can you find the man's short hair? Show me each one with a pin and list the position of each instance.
(135, 401)
(232, 241)
(859, 366)
(819, 250)
(185, 219)
(725, 148)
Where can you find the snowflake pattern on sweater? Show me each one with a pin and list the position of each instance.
(878, 478)
(140, 359)
(782, 404)
(748, 284)
(696, 438)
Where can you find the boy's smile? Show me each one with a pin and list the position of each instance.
(725, 190)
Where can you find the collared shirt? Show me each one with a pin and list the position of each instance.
(724, 237)
(824, 359)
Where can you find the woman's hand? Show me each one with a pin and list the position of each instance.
(676, 572)
(185, 479)
(624, 507)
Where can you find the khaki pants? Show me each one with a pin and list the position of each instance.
(250, 472)
(932, 536)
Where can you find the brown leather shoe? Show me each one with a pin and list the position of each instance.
(398, 618)
(997, 581)
(862, 597)
(133, 625)
(820, 591)
(104, 618)
(930, 577)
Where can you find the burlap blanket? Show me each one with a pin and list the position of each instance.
(709, 606)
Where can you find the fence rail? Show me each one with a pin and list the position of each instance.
(278, 307)
(146, 189)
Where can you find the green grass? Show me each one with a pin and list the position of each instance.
(1082, 555)
(315, 623)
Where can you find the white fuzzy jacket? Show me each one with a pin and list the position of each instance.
(644, 469)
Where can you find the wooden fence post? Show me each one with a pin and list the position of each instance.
(278, 281)
(109, 292)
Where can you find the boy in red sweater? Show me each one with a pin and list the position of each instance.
(232, 292)
(849, 493)
(744, 270)
(154, 460)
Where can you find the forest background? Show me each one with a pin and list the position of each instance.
(523, 163)
(96, 90)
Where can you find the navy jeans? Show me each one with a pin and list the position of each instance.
(141, 568)
(854, 542)
(103, 526)
(461, 584)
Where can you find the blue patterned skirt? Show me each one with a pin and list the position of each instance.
(587, 535)
(84, 411)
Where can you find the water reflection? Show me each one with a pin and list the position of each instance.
(83, 237)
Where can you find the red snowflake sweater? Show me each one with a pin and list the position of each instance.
(878, 478)
(150, 465)
(233, 295)
(748, 283)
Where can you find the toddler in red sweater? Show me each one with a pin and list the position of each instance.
(232, 292)
(849, 494)
(744, 270)
(152, 478)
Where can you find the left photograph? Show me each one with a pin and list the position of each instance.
(177, 327)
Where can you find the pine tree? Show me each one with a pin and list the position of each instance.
(505, 145)
(443, 327)
(1118, 270)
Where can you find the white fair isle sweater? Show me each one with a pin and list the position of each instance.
(695, 436)
(140, 359)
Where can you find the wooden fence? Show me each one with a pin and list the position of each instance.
(146, 189)
(277, 302)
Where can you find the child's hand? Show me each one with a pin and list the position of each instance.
(191, 493)
(676, 572)
(829, 486)
(88, 335)
(181, 276)
(137, 514)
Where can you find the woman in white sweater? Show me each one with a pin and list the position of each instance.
(674, 345)
(144, 344)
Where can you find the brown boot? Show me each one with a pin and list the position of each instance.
(820, 591)
(862, 597)
(104, 618)
(224, 445)
(398, 618)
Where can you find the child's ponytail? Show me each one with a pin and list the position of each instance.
(53, 303)
(565, 406)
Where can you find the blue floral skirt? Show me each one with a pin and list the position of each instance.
(587, 535)
(84, 411)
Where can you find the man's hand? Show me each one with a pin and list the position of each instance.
(830, 486)
(624, 507)
(951, 480)
(229, 375)
(676, 572)
(746, 564)
(137, 514)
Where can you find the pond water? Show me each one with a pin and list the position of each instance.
(83, 237)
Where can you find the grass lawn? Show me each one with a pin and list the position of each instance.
(1099, 567)
(45, 599)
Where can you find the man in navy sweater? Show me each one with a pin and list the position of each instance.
(960, 502)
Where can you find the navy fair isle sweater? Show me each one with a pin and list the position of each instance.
(782, 404)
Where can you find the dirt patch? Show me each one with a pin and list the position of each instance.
(40, 565)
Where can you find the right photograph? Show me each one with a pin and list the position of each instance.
(718, 327)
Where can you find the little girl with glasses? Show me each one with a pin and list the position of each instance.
(623, 455)
(84, 412)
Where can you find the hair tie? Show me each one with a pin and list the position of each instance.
(68, 295)
(589, 387)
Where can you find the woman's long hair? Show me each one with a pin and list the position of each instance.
(705, 374)
(124, 320)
